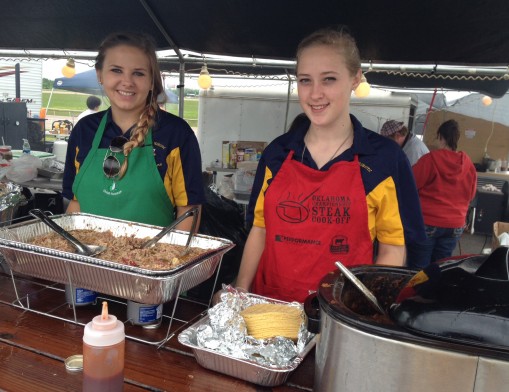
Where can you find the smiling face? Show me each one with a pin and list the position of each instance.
(127, 80)
(325, 85)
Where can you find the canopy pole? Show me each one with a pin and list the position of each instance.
(288, 94)
(427, 114)
(177, 51)
(49, 99)
(182, 74)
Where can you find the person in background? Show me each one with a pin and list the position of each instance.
(328, 189)
(446, 180)
(413, 147)
(93, 104)
(133, 161)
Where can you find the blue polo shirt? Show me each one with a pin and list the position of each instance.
(176, 154)
(394, 211)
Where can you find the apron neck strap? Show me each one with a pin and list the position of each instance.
(148, 138)
(100, 132)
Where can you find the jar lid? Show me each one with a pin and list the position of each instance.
(74, 363)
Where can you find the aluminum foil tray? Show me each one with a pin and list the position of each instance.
(50, 173)
(123, 281)
(240, 368)
(11, 198)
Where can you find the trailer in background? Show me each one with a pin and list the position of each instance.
(253, 114)
(30, 84)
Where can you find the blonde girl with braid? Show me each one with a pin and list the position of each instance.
(133, 161)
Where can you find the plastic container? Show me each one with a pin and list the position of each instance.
(498, 165)
(503, 167)
(6, 152)
(103, 353)
(26, 147)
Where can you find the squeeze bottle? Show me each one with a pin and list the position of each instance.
(103, 353)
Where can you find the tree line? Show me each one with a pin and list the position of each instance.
(47, 84)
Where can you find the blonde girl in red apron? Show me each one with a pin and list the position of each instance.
(312, 217)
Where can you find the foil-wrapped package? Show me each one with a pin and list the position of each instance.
(10, 198)
(226, 332)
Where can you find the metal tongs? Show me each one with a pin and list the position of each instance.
(193, 211)
(82, 249)
(367, 293)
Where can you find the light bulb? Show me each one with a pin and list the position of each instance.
(69, 70)
(204, 80)
(486, 100)
(363, 88)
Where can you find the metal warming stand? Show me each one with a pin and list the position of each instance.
(130, 283)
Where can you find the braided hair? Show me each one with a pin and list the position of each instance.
(147, 118)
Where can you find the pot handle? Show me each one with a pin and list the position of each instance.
(312, 310)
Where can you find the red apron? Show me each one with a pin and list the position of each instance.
(312, 219)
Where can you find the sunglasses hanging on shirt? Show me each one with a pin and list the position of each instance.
(111, 164)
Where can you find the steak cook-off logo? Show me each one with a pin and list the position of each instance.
(321, 209)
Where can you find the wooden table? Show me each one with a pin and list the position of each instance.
(33, 348)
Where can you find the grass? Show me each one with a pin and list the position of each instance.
(70, 104)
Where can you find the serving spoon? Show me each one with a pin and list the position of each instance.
(82, 249)
(193, 211)
(367, 293)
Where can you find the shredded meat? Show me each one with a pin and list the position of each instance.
(123, 249)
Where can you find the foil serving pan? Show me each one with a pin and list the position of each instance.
(107, 277)
(11, 197)
(241, 368)
(50, 173)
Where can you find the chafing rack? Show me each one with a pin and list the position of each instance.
(112, 280)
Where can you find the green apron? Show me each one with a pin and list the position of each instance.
(139, 197)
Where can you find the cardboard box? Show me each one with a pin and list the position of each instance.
(498, 228)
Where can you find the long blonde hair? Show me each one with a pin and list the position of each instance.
(147, 118)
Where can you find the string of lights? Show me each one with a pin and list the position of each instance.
(210, 67)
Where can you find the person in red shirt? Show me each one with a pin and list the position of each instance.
(446, 180)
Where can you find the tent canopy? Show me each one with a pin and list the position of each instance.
(454, 32)
(84, 82)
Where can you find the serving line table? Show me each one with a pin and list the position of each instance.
(33, 347)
